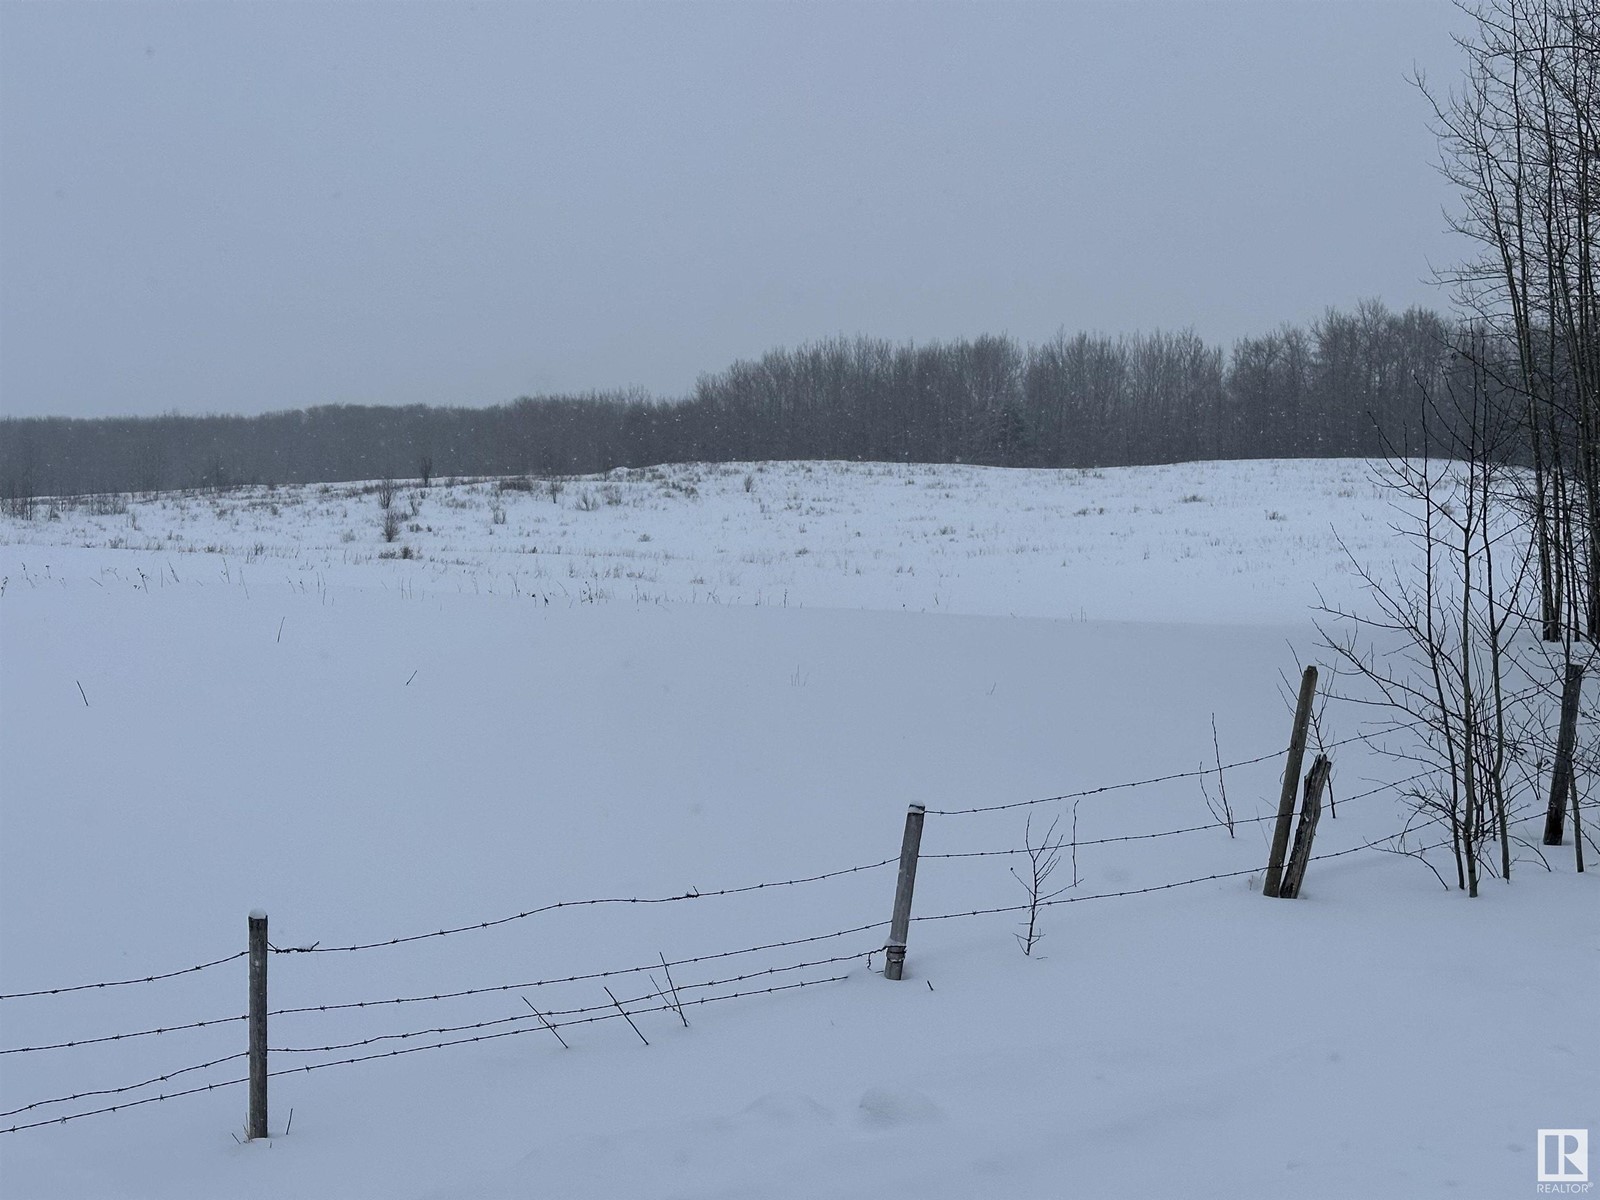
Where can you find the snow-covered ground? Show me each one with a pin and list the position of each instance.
(665, 683)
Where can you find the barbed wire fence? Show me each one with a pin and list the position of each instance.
(673, 995)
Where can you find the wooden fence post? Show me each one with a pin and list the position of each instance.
(894, 964)
(1291, 783)
(1577, 827)
(1310, 812)
(1555, 819)
(257, 1124)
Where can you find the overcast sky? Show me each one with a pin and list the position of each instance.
(244, 207)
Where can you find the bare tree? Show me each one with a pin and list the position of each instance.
(1520, 139)
(1436, 658)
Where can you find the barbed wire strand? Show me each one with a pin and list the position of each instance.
(1164, 887)
(131, 1087)
(122, 1037)
(611, 974)
(1141, 837)
(560, 904)
(1096, 791)
(1139, 783)
(544, 1014)
(586, 1020)
(95, 1112)
(210, 1087)
(114, 983)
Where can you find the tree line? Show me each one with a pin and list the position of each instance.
(1349, 384)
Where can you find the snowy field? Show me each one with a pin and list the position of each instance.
(664, 684)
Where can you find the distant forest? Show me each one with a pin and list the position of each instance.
(1351, 384)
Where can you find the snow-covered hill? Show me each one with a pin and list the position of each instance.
(668, 683)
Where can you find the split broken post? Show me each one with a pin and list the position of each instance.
(1310, 811)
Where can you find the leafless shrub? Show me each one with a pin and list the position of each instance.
(386, 490)
(107, 504)
(1221, 810)
(1044, 856)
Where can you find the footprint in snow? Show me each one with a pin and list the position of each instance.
(788, 1108)
(881, 1108)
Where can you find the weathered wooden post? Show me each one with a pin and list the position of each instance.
(894, 964)
(1310, 813)
(257, 1124)
(1577, 827)
(1555, 819)
(1291, 783)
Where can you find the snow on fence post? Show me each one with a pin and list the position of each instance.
(1310, 812)
(1291, 783)
(256, 1127)
(894, 964)
(1555, 819)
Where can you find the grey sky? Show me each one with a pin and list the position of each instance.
(243, 207)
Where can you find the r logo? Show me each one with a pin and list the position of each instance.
(1563, 1156)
